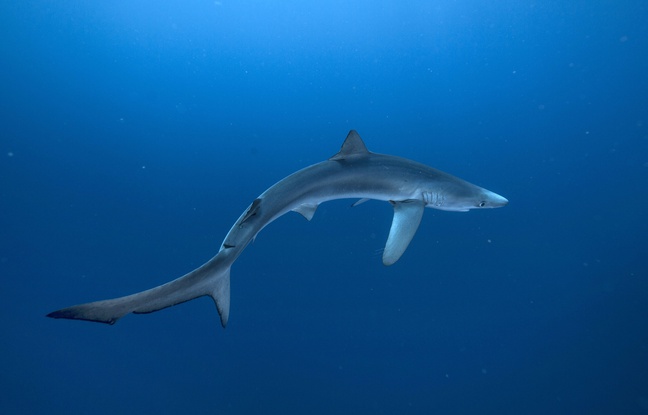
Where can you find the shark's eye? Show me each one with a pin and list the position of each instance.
(482, 204)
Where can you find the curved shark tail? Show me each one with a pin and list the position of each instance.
(212, 279)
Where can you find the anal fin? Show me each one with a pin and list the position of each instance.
(360, 201)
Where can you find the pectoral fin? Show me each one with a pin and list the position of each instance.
(407, 217)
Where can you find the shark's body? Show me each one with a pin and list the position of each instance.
(354, 172)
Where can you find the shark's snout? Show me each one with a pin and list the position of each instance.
(491, 200)
(497, 200)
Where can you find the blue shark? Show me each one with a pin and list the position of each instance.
(354, 172)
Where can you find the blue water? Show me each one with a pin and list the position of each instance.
(133, 135)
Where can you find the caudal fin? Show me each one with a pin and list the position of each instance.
(212, 279)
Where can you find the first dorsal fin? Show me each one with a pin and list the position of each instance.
(353, 146)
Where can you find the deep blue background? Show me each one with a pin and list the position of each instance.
(134, 133)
